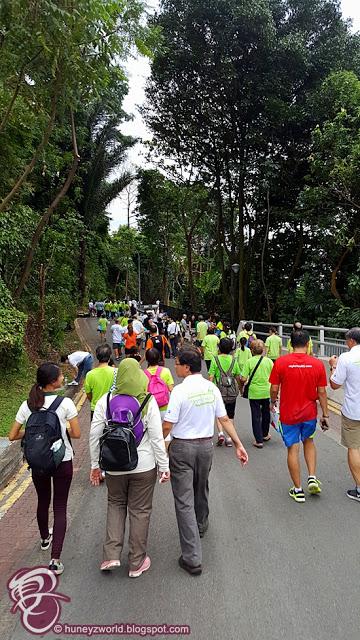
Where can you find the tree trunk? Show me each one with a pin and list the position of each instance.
(28, 169)
(263, 255)
(42, 275)
(334, 289)
(48, 213)
(242, 310)
(190, 272)
(297, 260)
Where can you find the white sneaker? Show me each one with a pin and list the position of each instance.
(45, 544)
(56, 566)
(73, 383)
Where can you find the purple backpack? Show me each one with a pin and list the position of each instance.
(126, 410)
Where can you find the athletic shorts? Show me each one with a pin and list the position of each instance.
(295, 433)
(350, 433)
(118, 345)
(230, 409)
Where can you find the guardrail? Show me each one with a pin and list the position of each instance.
(324, 339)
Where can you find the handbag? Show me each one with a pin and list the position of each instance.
(246, 389)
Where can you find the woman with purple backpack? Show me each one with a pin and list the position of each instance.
(129, 492)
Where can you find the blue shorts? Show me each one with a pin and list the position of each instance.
(295, 433)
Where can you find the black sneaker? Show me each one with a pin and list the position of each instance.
(194, 571)
(298, 496)
(353, 494)
(203, 529)
(45, 544)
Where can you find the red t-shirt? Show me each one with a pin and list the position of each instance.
(300, 376)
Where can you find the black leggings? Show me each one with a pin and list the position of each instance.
(260, 416)
(61, 482)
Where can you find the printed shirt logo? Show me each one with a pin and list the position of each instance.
(202, 398)
(32, 591)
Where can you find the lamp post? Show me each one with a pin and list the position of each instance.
(139, 278)
(235, 269)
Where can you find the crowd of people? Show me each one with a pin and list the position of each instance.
(144, 426)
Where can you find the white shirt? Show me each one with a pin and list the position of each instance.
(77, 357)
(117, 333)
(151, 450)
(66, 411)
(347, 372)
(138, 326)
(173, 329)
(193, 406)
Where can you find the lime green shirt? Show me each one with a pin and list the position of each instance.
(103, 323)
(201, 330)
(260, 385)
(273, 344)
(98, 382)
(309, 348)
(225, 362)
(124, 322)
(245, 334)
(242, 357)
(210, 345)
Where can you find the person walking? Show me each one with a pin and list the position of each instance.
(155, 371)
(242, 354)
(225, 373)
(102, 327)
(255, 376)
(100, 380)
(173, 335)
(130, 492)
(201, 331)
(157, 341)
(209, 346)
(194, 404)
(130, 337)
(273, 344)
(81, 362)
(247, 332)
(302, 381)
(117, 338)
(345, 371)
(297, 326)
(42, 397)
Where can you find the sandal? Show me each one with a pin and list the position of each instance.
(258, 445)
(267, 438)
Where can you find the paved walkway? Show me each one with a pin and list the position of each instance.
(273, 569)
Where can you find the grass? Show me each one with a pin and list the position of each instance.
(16, 384)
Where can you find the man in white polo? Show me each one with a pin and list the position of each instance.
(345, 370)
(190, 418)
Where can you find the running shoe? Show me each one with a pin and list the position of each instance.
(108, 565)
(73, 383)
(45, 544)
(314, 485)
(353, 494)
(228, 442)
(220, 440)
(143, 567)
(298, 496)
(56, 566)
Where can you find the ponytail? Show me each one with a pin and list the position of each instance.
(243, 342)
(36, 397)
(46, 374)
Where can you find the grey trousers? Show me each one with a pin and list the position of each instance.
(190, 464)
(131, 493)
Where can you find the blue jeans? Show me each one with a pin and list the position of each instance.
(84, 367)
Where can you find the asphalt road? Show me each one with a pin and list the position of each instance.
(272, 569)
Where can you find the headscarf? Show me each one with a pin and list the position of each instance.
(131, 380)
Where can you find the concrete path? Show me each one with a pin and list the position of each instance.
(273, 569)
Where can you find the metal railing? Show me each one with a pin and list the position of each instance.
(325, 340)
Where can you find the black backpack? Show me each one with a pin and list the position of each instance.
(227, 384)
(158, 344)
(118, 443)
(42, 429)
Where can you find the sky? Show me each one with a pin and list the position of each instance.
(138, 70)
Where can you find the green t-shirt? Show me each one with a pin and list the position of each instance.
(274, 345)
(260, 385)
(98, 382)
(225, 362)
(201, 330)
(103, 323)
(124, 322)
(210, 344)
(242, 357)
(246, 334)
(107, 306)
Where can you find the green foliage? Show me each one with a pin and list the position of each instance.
(12, 330)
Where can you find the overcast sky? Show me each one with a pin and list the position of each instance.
(138, 70)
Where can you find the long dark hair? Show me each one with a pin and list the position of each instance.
(46, 374)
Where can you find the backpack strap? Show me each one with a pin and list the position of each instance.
(108, 413)
(143, 405)
(56, 403)
(229, 371)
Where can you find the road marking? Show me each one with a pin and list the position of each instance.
(15, 490)
(334, 407)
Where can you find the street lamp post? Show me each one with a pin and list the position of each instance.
(235, 269)
(139, 278)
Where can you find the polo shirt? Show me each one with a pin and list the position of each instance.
(348, 373)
